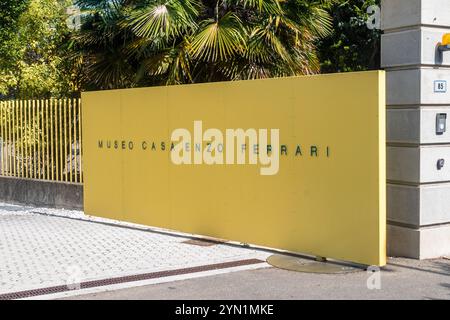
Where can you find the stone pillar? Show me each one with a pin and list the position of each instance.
(418, 156)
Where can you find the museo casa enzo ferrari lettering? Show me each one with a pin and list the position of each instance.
(297, 150)
(213, 146)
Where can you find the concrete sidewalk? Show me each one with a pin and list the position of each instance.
(44, 252)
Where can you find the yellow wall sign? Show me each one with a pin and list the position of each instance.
(171, 157)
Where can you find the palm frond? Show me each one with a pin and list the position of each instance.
(262, 6)
(164, 18)
(219, 40)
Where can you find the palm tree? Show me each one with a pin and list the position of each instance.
(129, 43)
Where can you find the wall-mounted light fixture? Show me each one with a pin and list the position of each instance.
(445, 44)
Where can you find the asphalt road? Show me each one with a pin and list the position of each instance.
(401, 279)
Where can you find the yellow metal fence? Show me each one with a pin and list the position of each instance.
(41, 139)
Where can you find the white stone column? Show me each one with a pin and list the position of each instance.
(418, 92)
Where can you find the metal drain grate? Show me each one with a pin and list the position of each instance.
(139, 277)
(202, 243)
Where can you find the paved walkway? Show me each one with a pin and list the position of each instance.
(42, 248)
(49, 254)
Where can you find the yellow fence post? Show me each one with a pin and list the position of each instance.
(75, 139)
(66, 176)
(20, 138)
(33, 122)
(50, 142)
(13, 117)
(30, 137)
(55, 106)
(80, 119)
(15, 122)
(2, 130)
(38, 124)
(47, 149)
(25, 139)
(61, 165)
(70, 139)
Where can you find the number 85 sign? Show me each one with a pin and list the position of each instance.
(440, 86)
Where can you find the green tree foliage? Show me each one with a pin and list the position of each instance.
(352, 45)
(129, 43)
(10, 11)
(36, 68)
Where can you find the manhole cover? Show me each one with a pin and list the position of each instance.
(302, 265)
